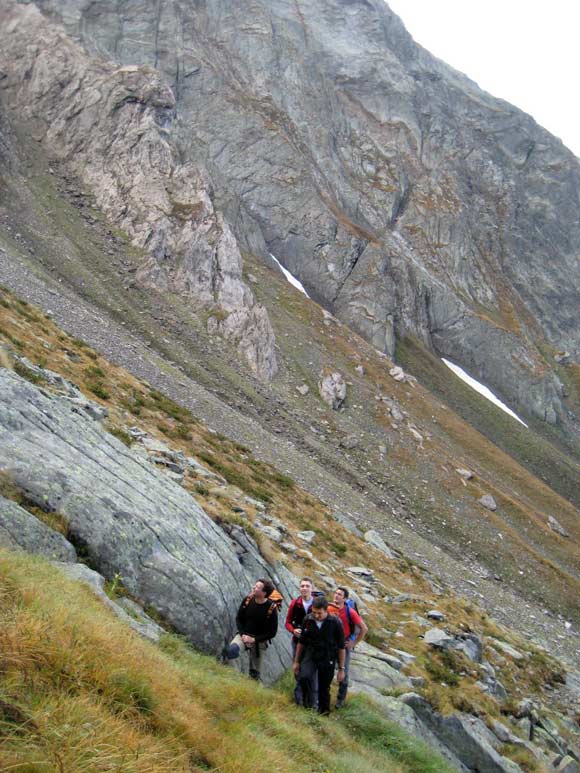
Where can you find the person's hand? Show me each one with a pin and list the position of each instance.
(296, 668)
(249, 641)
(297, 632)
(349, 644)
(340, 675)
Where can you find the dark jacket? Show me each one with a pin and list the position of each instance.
(322, 644)
(257, 620)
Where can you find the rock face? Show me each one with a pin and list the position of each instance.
(129, 519)
(332, 389)
(19, 530)
(112, 125)
(403, 197)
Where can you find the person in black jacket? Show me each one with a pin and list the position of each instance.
(257, 624)
(320, 646)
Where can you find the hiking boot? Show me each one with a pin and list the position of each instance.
(339, 703)
(254, 674)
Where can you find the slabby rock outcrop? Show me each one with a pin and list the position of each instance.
(112, 126)
(402, 196)
(129, 519)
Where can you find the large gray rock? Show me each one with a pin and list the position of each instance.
(402, 196)
(467, 737)
(375, 539)
(332, 388)
(404, 716)
(129, 612)
(372, 673)
(19, 530)
(129, 519)
(111, 125)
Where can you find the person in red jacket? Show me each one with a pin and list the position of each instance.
(297, 611)
(355, 629)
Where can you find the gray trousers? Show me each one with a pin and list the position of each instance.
(255, 653)
(343, 686)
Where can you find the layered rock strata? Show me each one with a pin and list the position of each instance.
(125, 517)
(404, 198)
(112, 126)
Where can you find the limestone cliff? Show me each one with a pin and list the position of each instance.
(406, 199)
(112, 127)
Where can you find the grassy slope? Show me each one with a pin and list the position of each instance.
(80, 692)
(450, 682)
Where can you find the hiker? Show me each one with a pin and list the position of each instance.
(355, 629)
(257, 623)
(297, 611)
(319, 649)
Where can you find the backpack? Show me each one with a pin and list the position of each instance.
(277, 598)
(351, 604)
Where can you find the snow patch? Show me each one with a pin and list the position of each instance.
(483, 390)
(292, 279)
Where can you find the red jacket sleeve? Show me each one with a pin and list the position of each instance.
(289, 614)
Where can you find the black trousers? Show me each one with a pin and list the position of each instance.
(309, 671)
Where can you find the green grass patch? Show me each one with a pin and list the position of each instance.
(369, 726)
(99, 390)
(22, 370)
(69, 663)
(120, 434)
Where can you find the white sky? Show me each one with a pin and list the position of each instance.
(524, 51)
(481, 388)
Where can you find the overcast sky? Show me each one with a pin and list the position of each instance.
(524, 51)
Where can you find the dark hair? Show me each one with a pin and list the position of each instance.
(320, 602)
(268, 585)
(307, 579)
(344, 591)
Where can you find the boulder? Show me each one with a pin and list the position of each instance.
(349, 442)
(397, 711)
(488, 502)
(130, 519)
(372, 672)
(127, 610)
(362, 572)
(397, 373)
(506, 649)
(406, 657)
(345, 519)
(471, 646)
(269, 531)
(557, 527)
(467, 737)
(332, 388)
(375, 539)
(438, 638)
(307, 536)
(20, 530)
